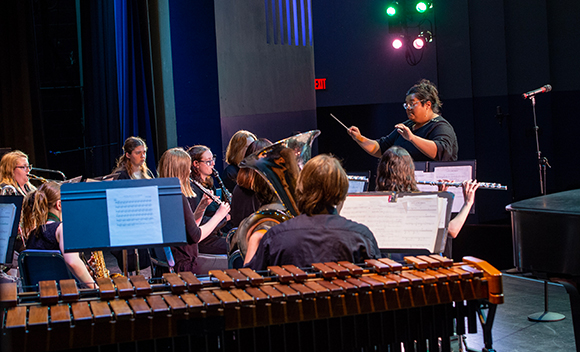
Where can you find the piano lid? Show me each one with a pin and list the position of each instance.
(567, 202)
(546, 233)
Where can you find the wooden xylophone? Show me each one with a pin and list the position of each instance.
(330, 307)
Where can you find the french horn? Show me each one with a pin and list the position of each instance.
(279, 164)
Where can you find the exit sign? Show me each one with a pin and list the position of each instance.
(319, 83)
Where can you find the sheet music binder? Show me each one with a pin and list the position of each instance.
(17, 201)
(441, 236)
(86, 222)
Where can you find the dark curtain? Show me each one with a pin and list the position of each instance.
(134, 76)
(118, 83)
(20, 113)
(101, 119)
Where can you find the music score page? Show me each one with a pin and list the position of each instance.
(134, 216)
(410, 222)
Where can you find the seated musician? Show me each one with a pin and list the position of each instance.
(202, 163)
(396, 172)
(319, 233)
(235, 152)
(131, 166)
(252, 190)
(176, 162)
(41, 220)
(14, 169)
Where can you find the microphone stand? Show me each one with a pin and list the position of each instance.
(546, 315)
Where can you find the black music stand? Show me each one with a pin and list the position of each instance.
(9, 220)
(87, 224)
(376, 216)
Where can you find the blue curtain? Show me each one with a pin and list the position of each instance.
(134, 81)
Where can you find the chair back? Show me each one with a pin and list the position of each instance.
(38, 265)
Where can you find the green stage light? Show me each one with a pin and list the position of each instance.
(421, 7)
(391, 11)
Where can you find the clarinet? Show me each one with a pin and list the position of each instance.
(225, 191)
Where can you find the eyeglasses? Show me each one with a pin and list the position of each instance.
(411, 106)
(208, 162)
(25, 167)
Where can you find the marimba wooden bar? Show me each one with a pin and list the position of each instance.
(330, 307)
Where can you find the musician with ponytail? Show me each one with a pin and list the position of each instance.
(41, 222)
(131, 165)
(176, 162)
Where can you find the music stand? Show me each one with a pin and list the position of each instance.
(10, 210)
(92, 224)
(392, 217)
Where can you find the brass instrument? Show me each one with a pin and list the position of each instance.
(482, 185)
(99, 268)
(279, 164)
(37, 178)
(8, 190)
(225, 191)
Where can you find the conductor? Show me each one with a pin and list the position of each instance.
(426, 135)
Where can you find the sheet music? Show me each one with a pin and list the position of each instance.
(7, 215)
(134, 216)
(410, 222)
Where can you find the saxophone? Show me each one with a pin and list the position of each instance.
(99, 268)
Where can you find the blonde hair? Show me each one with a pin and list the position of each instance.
(37, 204)
(123, 162)
(237, 146)
(175, 162)
(322, 184)
(7, 165)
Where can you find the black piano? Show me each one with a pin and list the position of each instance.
(546, 239)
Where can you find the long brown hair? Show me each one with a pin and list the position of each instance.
(322, 184)
(123, 162)
(236, 149)
(396, 171)
(195, 153)
(250, 179)
(37, 204)
(176, 162)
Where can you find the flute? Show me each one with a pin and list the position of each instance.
(482, 185)
(207, 192)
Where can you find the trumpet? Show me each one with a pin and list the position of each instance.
(482, 185)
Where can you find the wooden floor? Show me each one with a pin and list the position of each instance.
(513, 332)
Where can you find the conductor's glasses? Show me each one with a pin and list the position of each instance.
(411, 105)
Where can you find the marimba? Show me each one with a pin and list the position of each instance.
(380, 305)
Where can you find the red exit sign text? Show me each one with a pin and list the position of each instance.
(319, 83)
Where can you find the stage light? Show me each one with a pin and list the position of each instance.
(418, 43)
(423, 6)
(397, 43)
(393, 9)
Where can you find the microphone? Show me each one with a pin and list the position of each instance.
(531, 93)
(48, 170)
